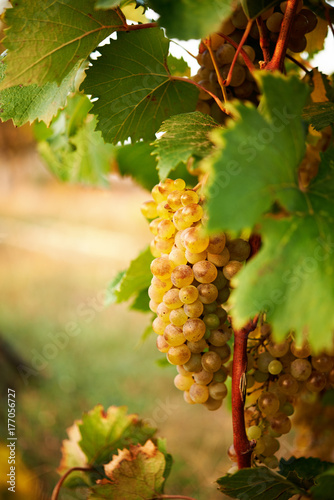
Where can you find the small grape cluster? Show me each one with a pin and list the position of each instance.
(191, 281)
(279, 376)
(243, 85)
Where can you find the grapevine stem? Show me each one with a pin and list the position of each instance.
(264, 39)
(242, 446)
(218, 101)
(134, 27)
(242, 41)
(207, 43)
(298, 63)
(277, 60)
(56, 489)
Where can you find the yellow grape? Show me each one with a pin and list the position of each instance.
(194, 329)
(182, 276)
(179, 355)
(183, 383)
(188, 294)
(149, 209)
(172, 299)
(205, 271)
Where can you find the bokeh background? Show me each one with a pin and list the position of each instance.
(60, 246)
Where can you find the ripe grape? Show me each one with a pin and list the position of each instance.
(205, 271)
(182, 276)
(183, 383)
(173, 335)
(211, 361)
(179, 355)
(301, 369)
(254, 432)
(171, 299)
(188, 294)
(194, 310)
(194, 329)
(231, 268)
(199, 393)
(217, 390)
(323, 362)
(268, 403)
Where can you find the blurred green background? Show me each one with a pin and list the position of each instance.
(60, 245)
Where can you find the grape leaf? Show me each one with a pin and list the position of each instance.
(258, 483)
(184, 135)
(319, 115)
(134, 88)
(323, 490)
(137, 161)
(316, 38)
(184, 20)
(103, 432)
(253, 8)
(178, 66)
(259, 155)
(134, 473)
(46, 39)
(136, 278)
(26, 104)
(294, 269)
(303, 469)
(106, 4)
(141, 302)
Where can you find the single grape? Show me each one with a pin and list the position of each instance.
(193, 310)
(188, 294)
(199, 393)
(280, 423)
(288, 409)
(316, 382)
(260, 377)
(300, 352)
(192, 212)
(163, 246)
(212, 321)
(219, 338)
(213, 404)
(179, 355)
(187, 398)
(183, 383)
(223, 295)
(154, 225)
(225, 54)
(217, 243)
(253, 432)
(239, 19)
(198, 346)
(238, 74)
(182, 276)
(204, 271)
(177, 256)
(179, 184)
(178, 240)
(155, 294)
(174, 200)
(158, 284)
(300, 25)
(277, 350)
(224, 352)
(217, 390)
(231, 268)
(275, 367)
(271, 445)
(192, 258)
(182, 371)
(195, 241)
(194, 364)
(173, 335)
(194, 329)
(297, 44)
(171, 299)
(161, 268)
(159, 325)
(268, 403)
(153, 305)
(220, 375)
(301, 369)
(239, 249)
(211, 361)
(220, 259)
(271, 462)
(179, 221)
(322, 363)
(274, 22)
(163, 312)
(216, 40)
(149, 209)
(162, 344)
(263, 361)
(178, 317)
(207, 293)
(189, 196)
(203, 377)
(311, 18)
(287, 384)
(164, 210)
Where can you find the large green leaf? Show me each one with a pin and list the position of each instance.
(184, 19)
(103, 432)
(26, 104)
(292, 277)
(135, 473)
(134, 88)
(258, 483)
(253, 8)
(136, 278)
(137, 161)
(303, 471)
(184, 135)
(324, 487)
(259, 154)
(46, 39)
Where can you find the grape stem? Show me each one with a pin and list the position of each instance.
(243, 448)
(277, 61)
(242, 41)
(247, 60)
(56, 489)
(264, 39)
(207, 43)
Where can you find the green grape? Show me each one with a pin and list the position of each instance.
(192, 212)
(301, 369)
(224, 352)
(158, 326)
(227, 27)
(322, 363)
(204, 271)
(239, 249)
(198, 346)
(193, 310)
(231, 268)
(260, 377)
(178, 355)
(223, 295)
(182, 276)
(271, 445)
(163, 312)
(211, 361)
(217, 390)
(287, 384)
(275, 367)
(194, 364)
(220, 259)
(220, 375)
(253, 432)
(263, 361)
(238, 74)
(211, 308)
(260, 447)
(174, 200)
(268, 403)
(199, 393)
(222, 314)
(149, 209)
(194, 329)
(195, 241)
(274, 22)
(188, 294)
(316, 382)
(189, 196)
(251, 54)
(225, 54)
(220, 282)
(203, 377)
(213, 404)
(172, 299)
(216, 41)
(173, 335)
(178, 317)
(219, 338)
(177, 256)
(280, 423)
(211, 320)
(288, 409)
(183, 383)
(161, 268)
(162, 344)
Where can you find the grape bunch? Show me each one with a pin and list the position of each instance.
(243, 85)
(191, 282)
(279, 376)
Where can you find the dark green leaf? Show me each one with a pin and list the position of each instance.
(26, 104)
(328, 398)
(137, 161)
(44, 34)
(183, 136)
(162, 446)
(184, 20)
(134, 88)
(303, 471)
(135, 473)
(136, 278)
(319, 115)
(104, 432)
(141, 302)
(253, 8)
(106, 4)
(324, 487)
(259, 155)
(258, 483)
